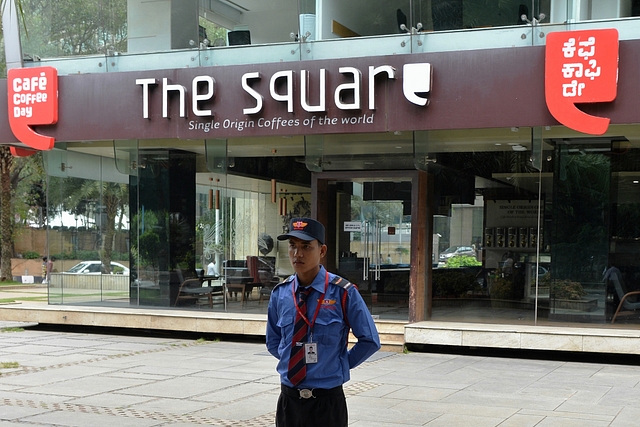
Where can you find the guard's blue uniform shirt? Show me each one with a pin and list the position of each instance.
(329, 332)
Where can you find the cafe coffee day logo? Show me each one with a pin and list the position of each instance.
(581, 67)
(33, 100)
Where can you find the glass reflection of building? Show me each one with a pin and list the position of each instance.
(538, 212)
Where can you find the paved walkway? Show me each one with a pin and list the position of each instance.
(52, 378)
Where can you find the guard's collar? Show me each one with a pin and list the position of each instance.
(318, 281)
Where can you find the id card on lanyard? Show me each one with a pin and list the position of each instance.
(310, 348)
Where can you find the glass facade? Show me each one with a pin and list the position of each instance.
(549, 230)
(119, 35)
(520, 224)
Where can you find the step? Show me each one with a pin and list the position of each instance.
(391, 336)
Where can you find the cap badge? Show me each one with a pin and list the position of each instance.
(299, 225)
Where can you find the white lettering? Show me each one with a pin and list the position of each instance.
(304, 92)
(29, 98)
(373, 72)
(22, 111)
(259, 99)
(210, 93)
(417, 80)
(166, 88)
(353, 87)
(204, 126)
(145, 94)
(42, 81)
(288, 95)
(30, 84)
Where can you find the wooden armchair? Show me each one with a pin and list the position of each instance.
(629, 303)
(254, 272)
(192, 289)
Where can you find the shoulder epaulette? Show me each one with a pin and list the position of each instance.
(287, 280)
(346, 285)
(342, 282)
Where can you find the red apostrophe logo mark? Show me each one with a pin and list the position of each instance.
(33, 100)
(581, 67)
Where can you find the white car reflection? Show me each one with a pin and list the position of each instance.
(97, 267)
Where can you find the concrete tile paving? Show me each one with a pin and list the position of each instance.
(83, 378)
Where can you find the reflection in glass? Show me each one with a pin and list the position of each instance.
(88, 229)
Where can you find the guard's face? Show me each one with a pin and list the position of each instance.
(305, 256)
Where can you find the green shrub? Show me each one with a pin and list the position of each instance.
(566, 289)
(453, 284)
(501, 288)
(30, 255)
(462, 261)
(64, 255)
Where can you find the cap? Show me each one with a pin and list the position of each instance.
(306, 229)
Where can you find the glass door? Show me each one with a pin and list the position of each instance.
(369, 227)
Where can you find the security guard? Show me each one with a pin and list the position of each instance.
(309, 318)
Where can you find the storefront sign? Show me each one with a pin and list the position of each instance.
(510, 213)
(294, 91)
(352, 226)
(470, 89)
(581, 67)
(32, 100)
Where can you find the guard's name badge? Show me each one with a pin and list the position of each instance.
(311, 352)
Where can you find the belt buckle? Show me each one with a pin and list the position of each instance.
(305, 393)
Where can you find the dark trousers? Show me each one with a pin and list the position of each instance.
(325, 410)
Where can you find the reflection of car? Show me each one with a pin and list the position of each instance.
(96, 267)
(541, 272)
(457, 251)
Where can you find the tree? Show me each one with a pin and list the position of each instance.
(74, 27)
(6, 216)
(78, 195)
(25, 176)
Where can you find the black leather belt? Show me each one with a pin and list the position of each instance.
(308, 393)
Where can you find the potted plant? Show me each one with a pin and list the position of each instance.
(567, 294)
(501, 288)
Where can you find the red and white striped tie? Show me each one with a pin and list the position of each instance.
(297, 366)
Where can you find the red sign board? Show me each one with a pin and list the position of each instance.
(33, 100)
(581, 67)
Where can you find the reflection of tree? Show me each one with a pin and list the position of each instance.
(581, 196)
(147, 248)
(627, 221)
(389, 213)
(152, 239)
(492, 13)
(87, 197)
(214, 233)
(180, 234)
(74, 27)
(215, 33)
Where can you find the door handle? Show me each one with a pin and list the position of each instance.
(365, 264)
